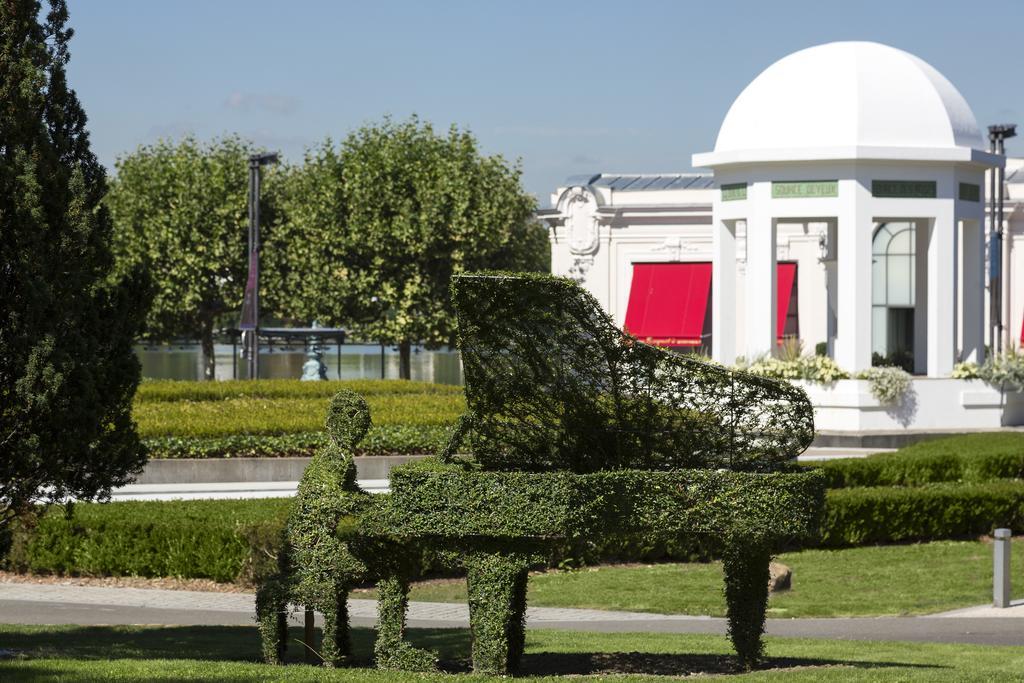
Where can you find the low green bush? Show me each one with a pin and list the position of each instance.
(223, 540)
(970, 458)
(268, 418)
(382, 440)
(866, 516)
(228, 540)
(174, 390)
(276, 416)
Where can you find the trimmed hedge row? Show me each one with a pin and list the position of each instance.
(865, 516)
(970, 458)
(237, 540)
(174, 390)
(275, 416)
(382, 440)
(224, 540)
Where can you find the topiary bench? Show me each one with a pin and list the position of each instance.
(575, 430)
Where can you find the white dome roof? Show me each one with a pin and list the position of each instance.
(847, 100)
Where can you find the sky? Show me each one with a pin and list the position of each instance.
(562, 88)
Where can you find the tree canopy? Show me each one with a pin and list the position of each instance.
(67, 369)
(365, 235)
(372, 233)
(179, 210)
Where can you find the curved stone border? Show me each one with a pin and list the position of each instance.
(222, 470)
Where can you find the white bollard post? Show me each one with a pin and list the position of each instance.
(1001, 568)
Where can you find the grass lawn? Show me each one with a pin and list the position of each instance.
(222, 653)
(871, 581)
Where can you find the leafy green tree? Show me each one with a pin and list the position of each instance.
(304, 259)
(181, 211)
(67, 369)
(391, 217)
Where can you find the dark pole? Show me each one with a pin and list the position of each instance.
(994, 257)
(1004, 272)
(250, 322)
(998, 134)
(382, 360)
(254, 261)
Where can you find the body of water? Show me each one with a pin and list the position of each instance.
(356, 361)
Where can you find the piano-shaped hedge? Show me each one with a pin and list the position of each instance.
(574, 429)
(448, 502)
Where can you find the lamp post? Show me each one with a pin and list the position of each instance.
(250, 321)
(997, 135)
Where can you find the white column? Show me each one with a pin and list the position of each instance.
(853, 277)
(723, 292)
(760, 283)
(973, 291)
(922, 235)
(941, 298)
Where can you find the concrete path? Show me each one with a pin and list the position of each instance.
(88, 605)
(1016, 609)
(837, 452)
(224, 490)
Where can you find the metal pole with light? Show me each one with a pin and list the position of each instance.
(997, 135)
(250, 322)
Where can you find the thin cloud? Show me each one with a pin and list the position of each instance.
(172, 130)
(584, 160)
(565, 131)
(274, 104)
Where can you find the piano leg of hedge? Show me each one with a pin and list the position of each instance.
(746, 561)
(335, 645)
(391, 651)
(272, 612)
(497, 610)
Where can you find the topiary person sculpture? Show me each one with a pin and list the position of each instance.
(316, 567)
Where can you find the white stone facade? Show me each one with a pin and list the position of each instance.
(806, 175)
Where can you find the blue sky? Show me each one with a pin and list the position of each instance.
(566, 87)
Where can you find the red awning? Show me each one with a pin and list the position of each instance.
(667, 302)
(785, 276)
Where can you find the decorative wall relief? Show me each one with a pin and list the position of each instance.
(580, 267)
(676, 247)
(580, 212)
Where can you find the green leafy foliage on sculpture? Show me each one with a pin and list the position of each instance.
(576, 430)
(608, 401)
(315, 566)
(67, 370)
(179, 209)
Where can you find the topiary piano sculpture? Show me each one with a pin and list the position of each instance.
(575, 430)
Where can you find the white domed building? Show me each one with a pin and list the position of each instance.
(845, 207)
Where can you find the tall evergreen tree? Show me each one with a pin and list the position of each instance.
(67, 370)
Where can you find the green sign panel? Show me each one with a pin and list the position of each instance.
(903, 189)
(734, 192)
(792, 189)
(969, 192)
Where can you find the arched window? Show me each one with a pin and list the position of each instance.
(893, 296)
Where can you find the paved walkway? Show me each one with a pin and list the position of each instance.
(225, 490)
(88, 605)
